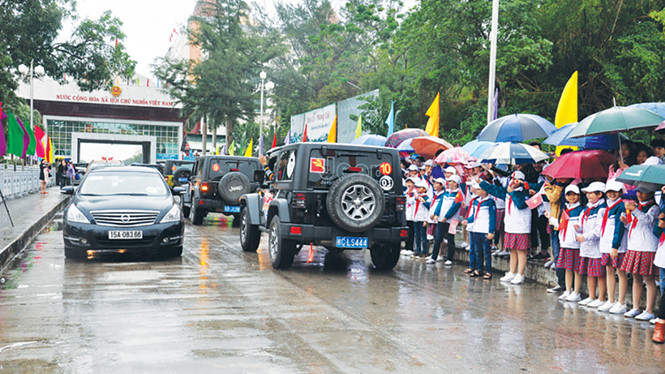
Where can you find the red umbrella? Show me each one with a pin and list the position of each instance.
(427, 146)
(581, 164)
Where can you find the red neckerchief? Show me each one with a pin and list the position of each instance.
(606, 215)
(418, 202)
(475, 212)
(468, 214)
(410, 194)
(435, 196)
(510, 201)
(662, 239)
(641, 207)
(585, 215)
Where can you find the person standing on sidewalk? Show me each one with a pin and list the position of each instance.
(61, 173)
(71, 173)
(589, 238)
(447, 213)
(43, 176)
(483, 224)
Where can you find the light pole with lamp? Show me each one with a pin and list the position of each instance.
(39, 71)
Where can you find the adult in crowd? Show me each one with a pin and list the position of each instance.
(43, 175)
(61, 173)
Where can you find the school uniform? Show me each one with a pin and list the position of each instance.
(612, 234)
(569, 256)
(449, 209)
(642, 243)
(482, 221)
(590, 256)
(409, 212)
(517, 221)
(420, 214)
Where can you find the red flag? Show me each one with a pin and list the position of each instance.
(459, 198)
(274, 141)
(304, 135)
(42, 142)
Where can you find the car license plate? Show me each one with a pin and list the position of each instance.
(350, 242)
(126, 234)
(231, 209)
(183, 179)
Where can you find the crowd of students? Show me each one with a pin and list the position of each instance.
(597, 230)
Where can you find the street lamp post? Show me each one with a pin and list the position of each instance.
(39, 71)
(263, 77)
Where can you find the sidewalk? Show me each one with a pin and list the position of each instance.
(30, 214)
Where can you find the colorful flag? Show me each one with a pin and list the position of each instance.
(223, 151)
(566, 111)
(15, 136)
(26, 138)
(3, 143)
(248, 152)
(390, 121)
(30, 151)
(232, 148)
(287, 138)
(433, 113)
(42, 142)
(496, 105)
(332, 135)
(274, 141)
(49, 151)
(359, 127)
(304, 135)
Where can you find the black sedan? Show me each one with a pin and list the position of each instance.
(122, 210)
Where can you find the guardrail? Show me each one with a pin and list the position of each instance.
(21, 182)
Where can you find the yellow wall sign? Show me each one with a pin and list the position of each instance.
(116, 91)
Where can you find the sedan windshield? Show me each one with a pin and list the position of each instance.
(124, 183)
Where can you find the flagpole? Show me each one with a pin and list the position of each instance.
(492, 77)
(263, 77)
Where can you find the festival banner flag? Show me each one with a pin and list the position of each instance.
(433, 113)
(248, 152)
(49, 151)
(274, 141)
(304, 135)
(359, 127)
(232, 148)
(15, 136)
(332, 135)
(30, 150)
(566, 111)
(223, 151)
(390, 121)
(287, 138)
(42, 140)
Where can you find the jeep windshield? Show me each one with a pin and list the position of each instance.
(323, 170)
(176, 165)
(219, 167)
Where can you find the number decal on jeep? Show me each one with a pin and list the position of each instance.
(386, 183)
(317, 165)
(386, 168)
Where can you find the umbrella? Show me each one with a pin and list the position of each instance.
(397, 137)
(453, 156)
(660, 127)
(652, 175)
(581, 164)
(614, 120)
(517, 128)
(658, 108)
(512, 153)
(370, 139)
(560, 137)
(475, 148)
(405, 146)
(427, 146)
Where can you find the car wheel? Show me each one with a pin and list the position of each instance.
(355, 203)
(281, 250)
(197, 213)
(232, 186)
(250, 236)
(173, 252)
(385, 256)
(74, 253)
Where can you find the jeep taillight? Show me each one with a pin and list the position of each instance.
(400, 203)
(299, 201)
(355, 169)
(204, 187)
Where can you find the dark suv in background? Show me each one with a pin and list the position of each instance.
(177, 172)
(339, 196)
(217, 183)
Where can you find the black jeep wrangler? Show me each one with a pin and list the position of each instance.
(217, 183)
(177, 172)
(339, 196)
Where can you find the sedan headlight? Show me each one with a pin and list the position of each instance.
(173, 215)
(75, 215)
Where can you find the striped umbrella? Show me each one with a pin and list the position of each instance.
(517, 128)
(512, 153)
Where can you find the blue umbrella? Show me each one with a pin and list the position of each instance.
(370, 139)
(517, 128)
(475, 148)
(405, 146)
(560, 137)
(658, 108)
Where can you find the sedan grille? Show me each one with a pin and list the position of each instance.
(124, 218)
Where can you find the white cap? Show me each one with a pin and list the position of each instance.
(572, 188)
(429, 163)
(518, 175)
(595, 187)
(456, 179)
(413, 167)
(450, 169)
(440, 180)
(473, 184)
(422, 167)
(412, 180)
(422, 184)
(613, 185)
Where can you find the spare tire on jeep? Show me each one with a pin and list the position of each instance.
(355, 202)
(232, 186)
(180, 173)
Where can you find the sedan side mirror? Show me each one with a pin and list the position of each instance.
(68, 190)
(179, 190)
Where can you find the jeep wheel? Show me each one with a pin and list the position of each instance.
(180, 173)
(281, 250)
(385, 256)
(232, 186)
(249, 234)
(355, 203)
(197, 213)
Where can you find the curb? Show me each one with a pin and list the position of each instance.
(533, 272)
(12, 249)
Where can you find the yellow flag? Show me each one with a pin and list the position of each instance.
(248, 152)
(566, 111)
(332, 135)
(232, 148)
(433, 114)
(359, 128)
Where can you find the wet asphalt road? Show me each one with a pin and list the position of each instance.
(220, 310)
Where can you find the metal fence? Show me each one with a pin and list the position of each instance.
(21, 182)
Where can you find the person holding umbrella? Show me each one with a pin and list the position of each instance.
(517, 223)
